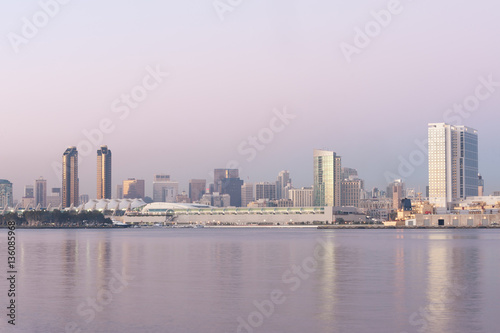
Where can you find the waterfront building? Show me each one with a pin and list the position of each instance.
(247, 194)
(70, 181)
(40, 193)
(216, 200)
(327, 178)
(197, 188)
(133, 188)
(265, 190)
(396, 192)
(6, 198)
(453, 163)
(302, 197)
(104, 173)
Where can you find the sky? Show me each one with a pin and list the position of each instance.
(183, 87)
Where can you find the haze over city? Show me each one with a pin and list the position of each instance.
(229, 73)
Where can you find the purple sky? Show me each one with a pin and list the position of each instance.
(227, 76)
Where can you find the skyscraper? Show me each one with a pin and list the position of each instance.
(104, 173)
(453, 163)
(6, 198)
(327, 178)
(283, 184)
(70, 186)
(265, 191)
(220, 174)
(197, 188)
(246, 194)
(232, 186)
(133, 188)
(41, 192)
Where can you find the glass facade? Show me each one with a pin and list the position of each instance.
(327, 178)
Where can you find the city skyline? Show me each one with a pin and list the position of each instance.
(252, 91)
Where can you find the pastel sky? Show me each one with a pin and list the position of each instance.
(228, 77)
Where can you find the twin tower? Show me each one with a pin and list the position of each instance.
(70, 181)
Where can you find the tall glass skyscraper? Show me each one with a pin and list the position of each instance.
(453, 163)
(327, 178)
(6, 198)
(70, 181)
(104, 173)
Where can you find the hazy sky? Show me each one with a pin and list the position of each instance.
(231, 68)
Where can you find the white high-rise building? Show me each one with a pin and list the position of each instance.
(453, 163)
(302, 197)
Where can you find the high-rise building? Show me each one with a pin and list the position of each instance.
(265, 191)
(327, 178)
(351, 189)
(283, 184)
(197, 188)
(232, 186)
(104, 173)
(133, 188)
(119, 191)
(220, 174)
(398, 193)
(70, 181)
(164, 190)
(246, 194)
(29, 191)
(453, 163)
(349, 172)
(6, 198)
(41, 192)
(302, 197)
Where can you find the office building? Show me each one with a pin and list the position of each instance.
(29, 191)
(164, 190)
(453, 163)
(246, 194)
(232, 187)
(41, 193)
(84, 198)
(104, 173)
(133, 188)
(283, 184)
(197, 188)
(351, 189)
(302, 197)
(70, 181)
(480, 188)
(220, 174)
(349, 172)
(327, 178)
(6, 199)
(265, 190)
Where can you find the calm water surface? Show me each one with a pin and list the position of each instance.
(255, 280)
